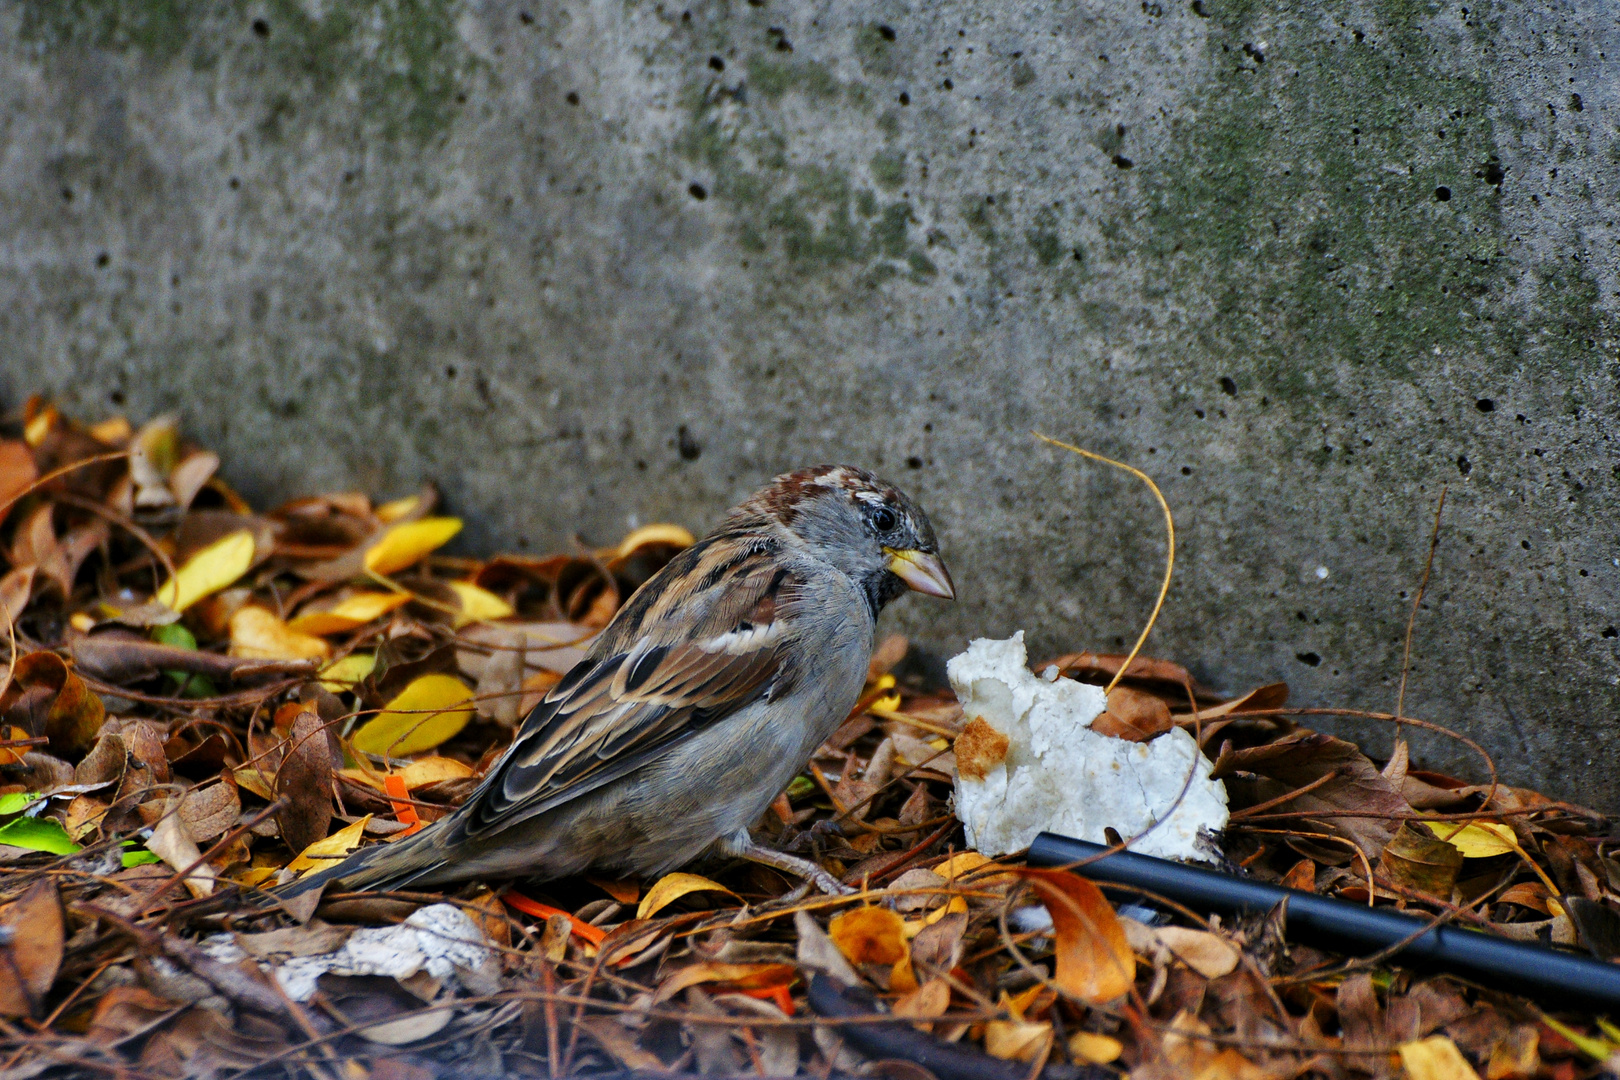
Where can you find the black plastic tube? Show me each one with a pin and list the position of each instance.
(1339, 926)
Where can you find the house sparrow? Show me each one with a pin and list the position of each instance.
(702, 698)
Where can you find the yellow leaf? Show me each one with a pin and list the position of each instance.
(342, 674)
(255, 876)
(1097, 1049)
(952, 906)
(431, 770)
(964, 864)
(673, 535)
(209, 570)
(256, 781)
(1435, 1058)
(1015, 1040)
(672, 887)
(323, 853)
(1094, 962)
(352, 611)
(408, 542)
(390, 512)
(478, 605)
(258, 634)
(112, 431)
(1479, 839)
(430, 710)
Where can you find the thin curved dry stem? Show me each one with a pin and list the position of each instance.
(59, 471)
(1170, 552)
(122, 522)
(1417, 599)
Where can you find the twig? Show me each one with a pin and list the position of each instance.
(1170, 552)
(1428, 564)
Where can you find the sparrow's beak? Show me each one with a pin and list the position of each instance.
(922, 571)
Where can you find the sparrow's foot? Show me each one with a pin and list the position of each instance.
(742, 846)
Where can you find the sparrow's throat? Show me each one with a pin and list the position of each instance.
(921, 571)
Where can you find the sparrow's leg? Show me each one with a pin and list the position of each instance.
(740, 845)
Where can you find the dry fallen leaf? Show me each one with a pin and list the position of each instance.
(215, 567)
(869, 935)
(1094, 961)
(430, 710)
(305, 778)
(409, 542)
(58, 703)
(671, 887)
(257, 633)
(1435, 1058)
(32, 952)
(323, 853)
(1133, 715)
(349, 613)
(1208, 954)
(173, 844)
(1017, 1040)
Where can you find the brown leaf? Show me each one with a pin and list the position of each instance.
(1416, 859)
(104, 763)
(305, 778)
(31, 956)
(1132, 715)
(171, 842)
(938, 946)
(1360, 1018)
(15, 589)
(145, 745)
(17, 469)
(125, 1011)
(209, 811)
(1094, 961)
(55, 703)
(1304, 757)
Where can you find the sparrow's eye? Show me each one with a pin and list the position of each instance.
(885, 520)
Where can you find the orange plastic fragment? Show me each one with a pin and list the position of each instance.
(404, 812)
(513, 898)
(778, 994)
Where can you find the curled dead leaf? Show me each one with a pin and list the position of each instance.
(1094, 960)
(31, 955)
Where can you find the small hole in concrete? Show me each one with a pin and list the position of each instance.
(67, 194)
(1122, 161)
(948, 85)
(233, 183)
(1576, 103)
(1525, 544)
(103, 259)
(1493, 174)
(1442, 194)
(1228, 387)
(261, 28)
(905, 98)
(717, 63)
(1186, 470)
(572, 97)
(1608, 631)
(886, 33)
(1309, 659)
(117, 398)
(525, 18)
(698, 192)
(913, 462)
(1485, 404)
(1463, 464)
(686, 445)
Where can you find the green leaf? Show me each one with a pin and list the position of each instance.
(800, 787)
(36, 834)
(17, 801)
(174, 634)
(139, 858)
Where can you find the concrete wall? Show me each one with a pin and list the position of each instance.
(594, 264)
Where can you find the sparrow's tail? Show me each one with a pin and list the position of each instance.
(381, 866)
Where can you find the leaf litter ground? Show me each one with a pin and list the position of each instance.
(202, 700)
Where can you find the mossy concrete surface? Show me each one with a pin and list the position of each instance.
(594, 264)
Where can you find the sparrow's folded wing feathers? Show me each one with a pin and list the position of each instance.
(687, 666)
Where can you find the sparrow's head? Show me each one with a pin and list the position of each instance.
(864, 526)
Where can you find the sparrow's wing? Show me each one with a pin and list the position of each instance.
(700, 640)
